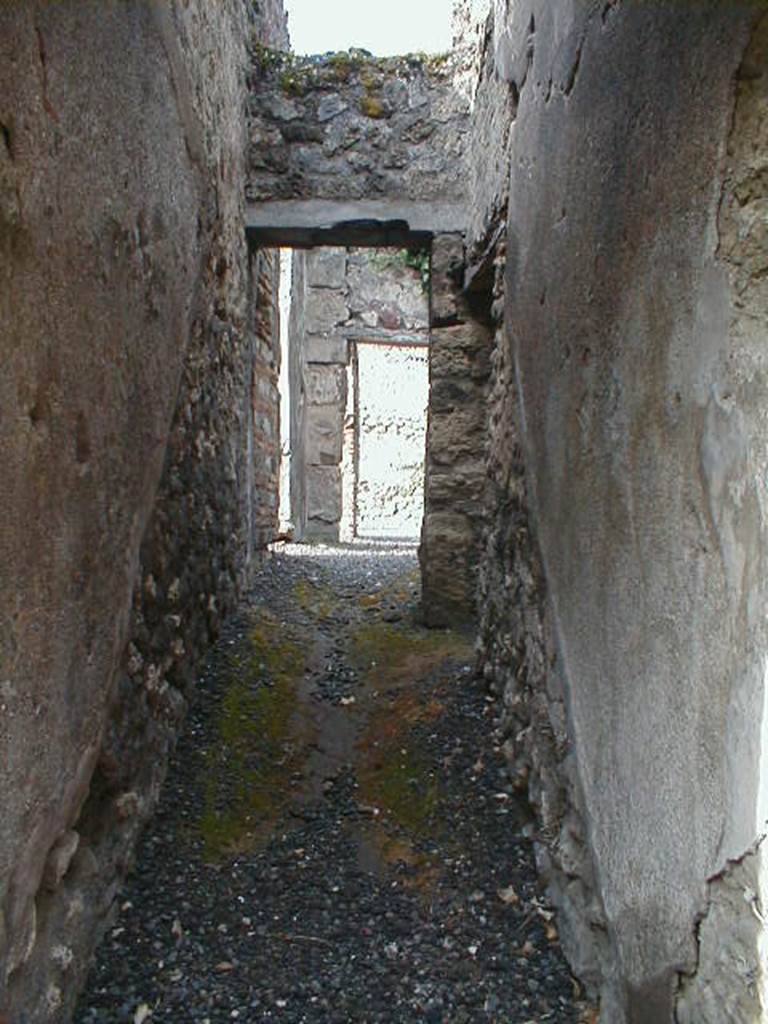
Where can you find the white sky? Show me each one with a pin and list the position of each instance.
(384, 27)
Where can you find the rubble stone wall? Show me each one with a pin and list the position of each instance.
(137, 401)
(349, 126)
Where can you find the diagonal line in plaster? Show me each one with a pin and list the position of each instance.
(751, 900)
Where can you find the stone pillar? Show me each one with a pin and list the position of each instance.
(319, 384)
(326, 394)
(263, 464)
(454, 476)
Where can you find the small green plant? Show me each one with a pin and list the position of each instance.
(435, 61)
(343, 64)
(369, 81)
(291, 84)
(416, 259)
(267, 59)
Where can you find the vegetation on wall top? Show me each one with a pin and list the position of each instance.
(299, 75)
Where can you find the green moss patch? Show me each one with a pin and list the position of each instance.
(372, 107)
(247, 770)
(318, 601)
(407, 675)
(392, 654)
(298, 76)
(400, 782)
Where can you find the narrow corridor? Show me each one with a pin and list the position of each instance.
(336, 841)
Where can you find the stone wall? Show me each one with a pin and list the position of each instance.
(459, 365)
(297, 361)
(493, 93)
(262, 494)
(349, 126)
(623, 579)
(137, 399)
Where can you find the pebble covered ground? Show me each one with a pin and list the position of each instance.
(336, 840)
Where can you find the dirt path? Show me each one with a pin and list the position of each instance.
(336, 841)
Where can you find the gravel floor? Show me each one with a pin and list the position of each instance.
(336, 842)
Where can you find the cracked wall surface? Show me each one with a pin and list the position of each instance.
(626, 500)
(136, 367)
(729, 981)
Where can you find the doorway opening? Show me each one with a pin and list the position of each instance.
(354, 388)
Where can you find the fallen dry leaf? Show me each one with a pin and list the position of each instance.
(543, 912)
(590, 1016)
(508, 896)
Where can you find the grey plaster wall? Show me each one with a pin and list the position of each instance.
(128, 450)
(627, 458)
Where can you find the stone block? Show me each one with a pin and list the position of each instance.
(330, 106)
(325, 434)
(333, 349)
(280, 108)
(447, 554)
(317, 529)
(324, 493)
(326, 268)
(326, 385)
(459, 488)
(386, 293)
(455, 435)
(325, 310)
(446, 278)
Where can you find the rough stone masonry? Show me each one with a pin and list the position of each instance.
(607, 219)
